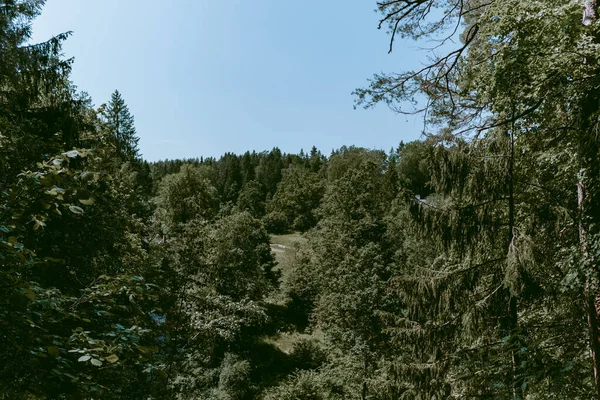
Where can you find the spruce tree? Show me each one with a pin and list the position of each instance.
(120, 128)
(35, 88)
(532, 74)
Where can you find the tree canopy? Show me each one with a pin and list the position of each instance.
(463, 265)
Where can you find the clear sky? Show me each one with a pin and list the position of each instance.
(206, 77)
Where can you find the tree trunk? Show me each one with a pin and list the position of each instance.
(591, 293)
(588, 156)
(517, 382)
(516, 356)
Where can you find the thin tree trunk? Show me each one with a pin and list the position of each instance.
(592, 314)
(512, 303)
(516, 356)
(588, 150)
(591, 285)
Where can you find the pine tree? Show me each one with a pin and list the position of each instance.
(119, 125)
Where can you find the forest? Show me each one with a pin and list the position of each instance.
(461, 266)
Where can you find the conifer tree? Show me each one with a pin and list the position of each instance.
(120, 128)
(34, 87)
(516, 70)
(269, 170)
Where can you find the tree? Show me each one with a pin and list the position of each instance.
(268, 171)
(510, 73)
(252, 199)
(297, 197)
(316, 160)
(248, 163)
(229, 177)
(40, 113)
(56, 273)
(120, 128)
(341, 276)
(347, 159)
(185, 196)
(412, 167)
(226, 271)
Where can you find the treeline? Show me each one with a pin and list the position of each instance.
(126, 279)
(285, 190)
(461, 266)
(251, 182)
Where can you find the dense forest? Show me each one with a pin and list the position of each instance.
(460, 266)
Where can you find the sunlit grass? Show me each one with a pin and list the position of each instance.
(285, 247)
(285, 341)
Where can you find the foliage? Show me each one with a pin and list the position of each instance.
(185, 196)
(461, 266)
(118, 124)
(298, 196)
(276, 222)
(252, 199)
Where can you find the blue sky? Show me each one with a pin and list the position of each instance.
(206, 77)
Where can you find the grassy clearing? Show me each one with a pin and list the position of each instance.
(285, 341)
(288, 240)
(285, 247)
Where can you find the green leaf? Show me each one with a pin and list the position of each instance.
(162, 374)
(38, 224)
(76, 210)
(55, 191)
(53, 351)
(113, 358)
(71, 154)
(84, 358)
(87, 202)
(96, 362)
